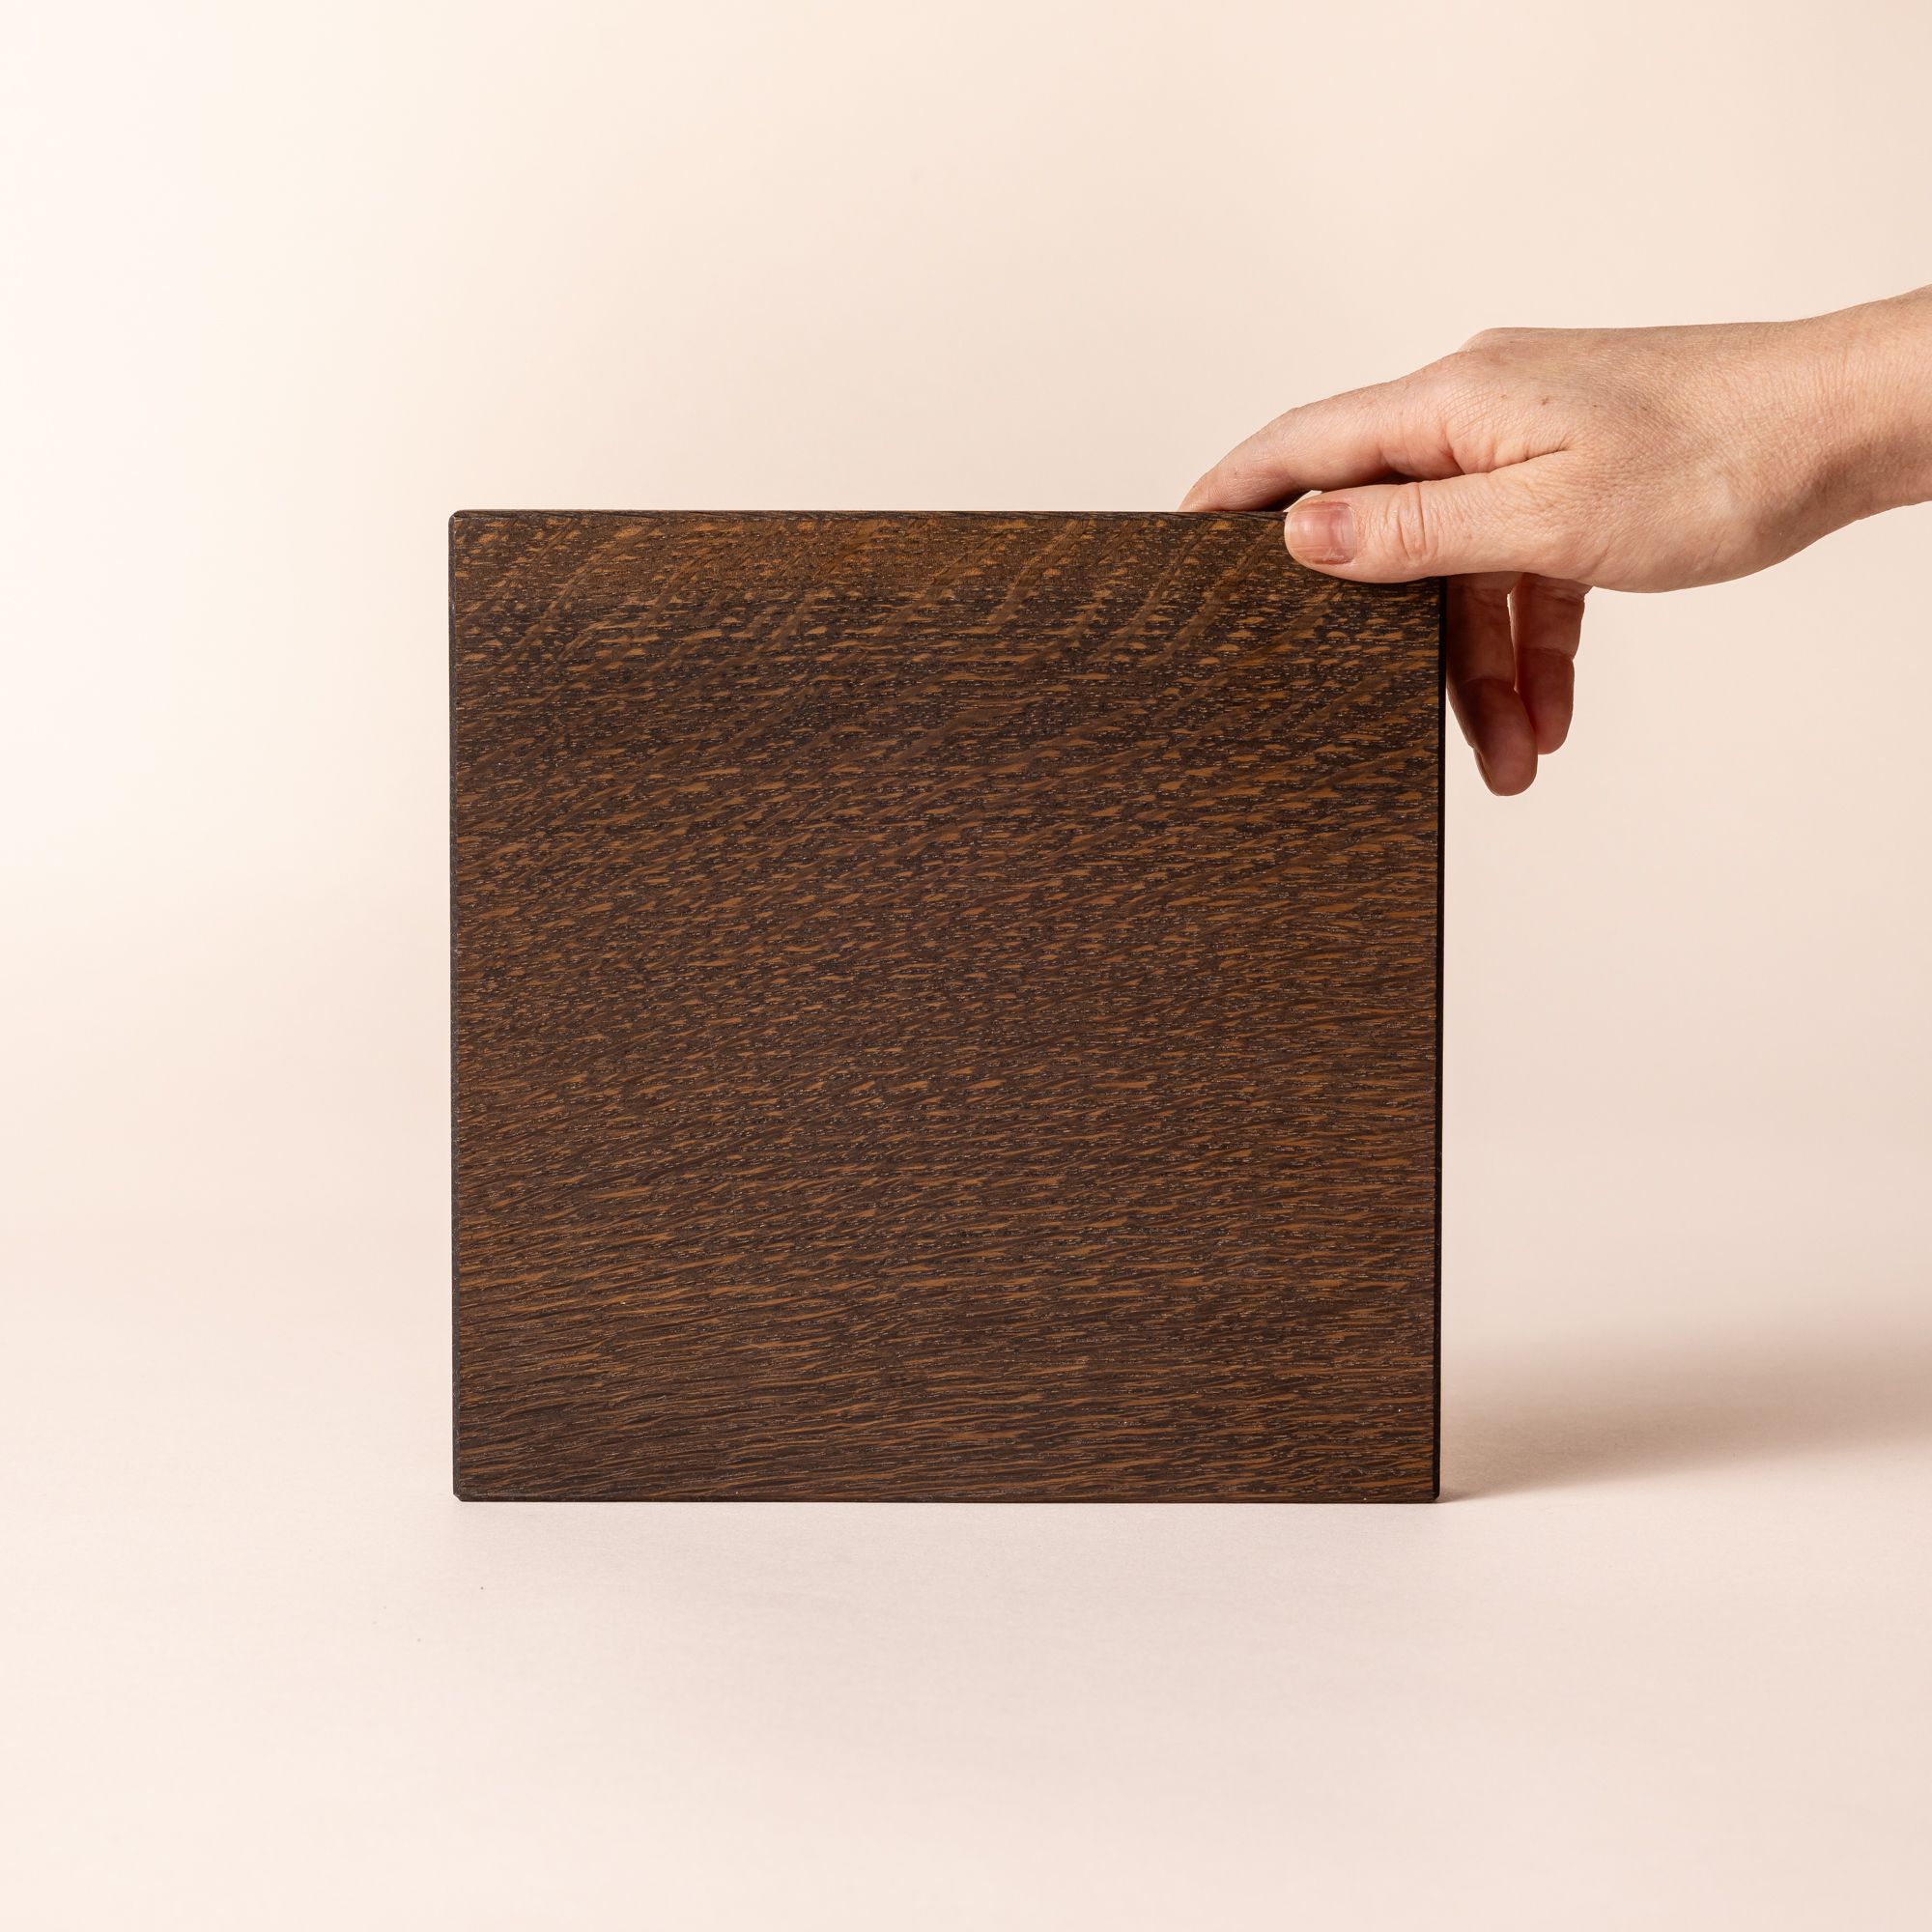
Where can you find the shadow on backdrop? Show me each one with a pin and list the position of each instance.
(1526, 1424)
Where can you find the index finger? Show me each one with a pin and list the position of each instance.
(1358, 437)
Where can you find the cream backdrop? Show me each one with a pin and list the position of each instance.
(285, 285)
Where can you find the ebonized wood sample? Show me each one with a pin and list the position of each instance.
(945, 1007)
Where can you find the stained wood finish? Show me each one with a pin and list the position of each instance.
(945, 1007)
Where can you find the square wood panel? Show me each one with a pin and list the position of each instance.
(945, 1007)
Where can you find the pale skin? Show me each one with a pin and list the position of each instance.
(1535, 465)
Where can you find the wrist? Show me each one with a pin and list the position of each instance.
(1874, 394)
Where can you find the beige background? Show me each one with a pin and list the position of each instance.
(287, 285)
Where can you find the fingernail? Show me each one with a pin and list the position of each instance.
(1320, 531)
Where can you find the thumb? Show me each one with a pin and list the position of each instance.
(1393, 533)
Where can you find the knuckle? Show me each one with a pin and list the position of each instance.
(1410, 530)
(1442, 379)
(1468, 388)
(1514, 337)
(1442, 400)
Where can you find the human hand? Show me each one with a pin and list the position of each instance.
(1542, 463)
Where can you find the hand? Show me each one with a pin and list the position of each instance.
(1550, 461)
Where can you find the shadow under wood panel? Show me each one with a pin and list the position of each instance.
(945, 1007)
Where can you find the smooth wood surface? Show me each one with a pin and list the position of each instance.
(945, 1007)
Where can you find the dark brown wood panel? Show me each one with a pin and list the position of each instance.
(945, 1007)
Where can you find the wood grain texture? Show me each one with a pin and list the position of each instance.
(945, 1007)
